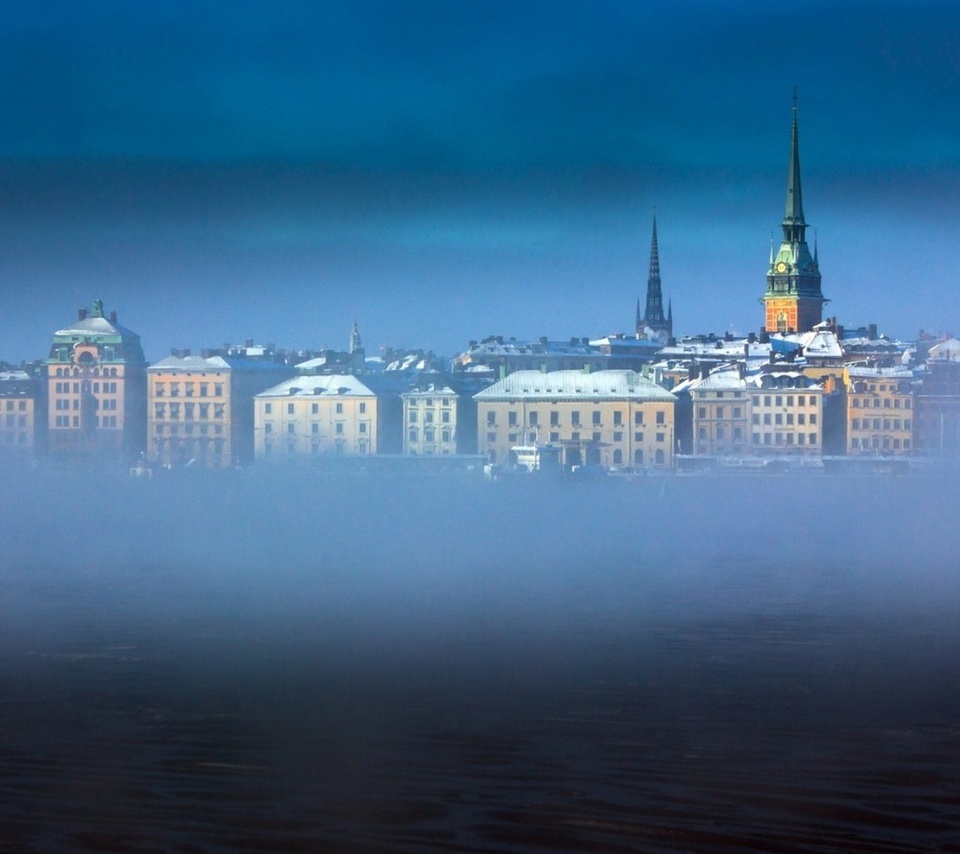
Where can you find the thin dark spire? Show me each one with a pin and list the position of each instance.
(654, 255)
(793, 214)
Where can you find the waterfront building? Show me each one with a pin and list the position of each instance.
(879, 410)
(96, 388)
(308, 416)
(606, 418)
(937, 402)
(720, 407)
(786, 414)
(440, 415)
(200, 408)
(793, 301)
(22, 413)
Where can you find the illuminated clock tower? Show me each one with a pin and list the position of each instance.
(793, 301)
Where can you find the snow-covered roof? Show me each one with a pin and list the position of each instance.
(94, 326)
(512, 347)
(722, 380)
(574, 385)
(946, 350)
(718, 348)
(339, 385)
(864, 372)
(212, 363)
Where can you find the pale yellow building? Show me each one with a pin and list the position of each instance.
(606, 418)
(200, 408)
(721, 413)
(879, 411)
(440, 416)
(786, 415)
(96, 388)
(328, 414)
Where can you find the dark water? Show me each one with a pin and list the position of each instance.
(628, 673)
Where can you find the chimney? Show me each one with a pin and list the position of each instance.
(248, 342)
(752, 338)
(113, 317)
(82, 313)
(872, 331)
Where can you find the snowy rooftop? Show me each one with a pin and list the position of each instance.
(94, 326)
(863, 372)
(211, 363)
(536, 385)
(342, 385)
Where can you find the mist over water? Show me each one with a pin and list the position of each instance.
(274, 660)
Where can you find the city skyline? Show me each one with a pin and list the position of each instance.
(216, 172)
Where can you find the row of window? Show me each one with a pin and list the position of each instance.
(429, 435)
(533, 418)
(878, 443)
(190, 410)
(874, 403)
(802, 419)
(428, 416)
(74, 421)
(76, 372)
(882, 424)
(20, 405)
(14, 438)
(174, 429)
(362, 427)
(777, 438)
(719, 411)
(778, 399)
(160, 389)
(574, 437)
(315, 408)
(427, 401)
(74, 387)
(16, 421)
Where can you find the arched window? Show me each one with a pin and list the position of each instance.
(617, 457)
(660, 458)
(638, 457)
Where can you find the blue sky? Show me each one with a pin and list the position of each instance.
(441, 171)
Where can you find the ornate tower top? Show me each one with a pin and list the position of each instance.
(355, 343)
(793, 300)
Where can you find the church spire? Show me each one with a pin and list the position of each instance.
(653, 318)
(793, 301)
(794, 224)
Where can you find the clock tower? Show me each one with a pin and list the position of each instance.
(793, 301)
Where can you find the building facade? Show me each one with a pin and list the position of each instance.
(721, 413)
(309, 416)
(606, 418)
(786, 415)
(200, 408)
(793, 301)
(879, 411)
(96, 389)
(440, 416)
(937, 403)
(22, 414)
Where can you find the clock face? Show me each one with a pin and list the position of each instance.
(781, 267)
